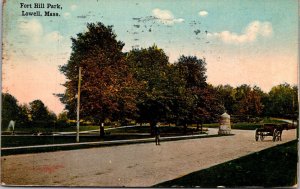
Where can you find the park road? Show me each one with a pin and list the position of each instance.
(135, 165)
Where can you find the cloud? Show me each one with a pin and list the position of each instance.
(34, 32)
(73, 7)
(67, 15)
(31, 28)
(203, 13)
(54, 36)
(166, 17)
(249, 34)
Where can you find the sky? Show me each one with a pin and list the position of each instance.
(251, 42)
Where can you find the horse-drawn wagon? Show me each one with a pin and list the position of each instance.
(273, 130)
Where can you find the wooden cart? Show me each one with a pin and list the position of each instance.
(273, 130)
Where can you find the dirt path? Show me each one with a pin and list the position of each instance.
(130, 165)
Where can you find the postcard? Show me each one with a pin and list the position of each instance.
(146, 93)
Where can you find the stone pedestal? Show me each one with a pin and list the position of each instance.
(225, 127)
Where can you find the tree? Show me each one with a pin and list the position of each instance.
(194, 106)
(226, 95)
(150, 67)
(10, 109)
(208, 105)
(193, 70)
(62, 119)
(40, 115)
(249, 100)
(24, 113)
(283, 101)
(108, 88)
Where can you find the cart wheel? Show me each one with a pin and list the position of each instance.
(256, 135)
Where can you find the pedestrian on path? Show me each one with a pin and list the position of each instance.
(157, 134)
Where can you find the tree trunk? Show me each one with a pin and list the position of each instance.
(102, 133)
(152, 125)
(201, 127)
(197, 126)
(185, 128)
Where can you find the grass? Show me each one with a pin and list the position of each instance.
(51, 129)
(241, 126)
(246, 125)
(14, 141)
(164, 130)
(138, 132)
(274, 167)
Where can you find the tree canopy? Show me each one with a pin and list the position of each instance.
(144, 86)
(10, 109)
(107, 89)
(150, 67)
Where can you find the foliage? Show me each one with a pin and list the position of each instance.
(226, 95)
(243, 101)
(150, 67)
(193, 71)
(62, 119)
(199, 100)
(142, 85)
(24, 115)
(35, 114)
(249, 100)
(108, 88)
(40, 115)
(10, 109)
(283, 101)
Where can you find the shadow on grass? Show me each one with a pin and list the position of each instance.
(273, 167)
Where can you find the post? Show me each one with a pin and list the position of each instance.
(78, 105)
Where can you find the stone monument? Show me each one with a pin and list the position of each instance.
(225, 127)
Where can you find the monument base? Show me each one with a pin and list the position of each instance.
(224, 130)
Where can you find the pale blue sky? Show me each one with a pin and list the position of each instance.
(249, 41)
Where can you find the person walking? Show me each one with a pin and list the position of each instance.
(157, 134)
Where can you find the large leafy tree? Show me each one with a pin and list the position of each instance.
(208, 105)
(197, 98)
(40, 115)
(226, 94)
(248, 101)
(10, 109)
(150, 67)
(108, 89)
(24, 115)
(282, 101)
(193, 70)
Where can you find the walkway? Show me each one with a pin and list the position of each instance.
(130, 165)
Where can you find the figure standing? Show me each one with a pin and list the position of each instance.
(157, 134)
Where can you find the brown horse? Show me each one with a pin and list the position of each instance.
(270, 129)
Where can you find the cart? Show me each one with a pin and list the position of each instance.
(273, 130)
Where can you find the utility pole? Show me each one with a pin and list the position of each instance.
(78, 105)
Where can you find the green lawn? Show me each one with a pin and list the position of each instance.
(273, 167)
(245, 125)
(113, 134)
(28, 130)
(14, 141)
(51, 129)
(164, 130)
